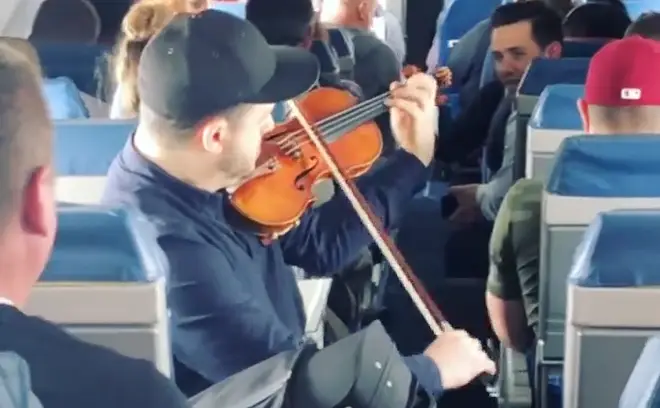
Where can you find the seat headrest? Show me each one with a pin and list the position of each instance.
(607, 166)
(643, 387)
(327, 57)
(581, 49)
(88, 147)
(63, 99)
(100, 244)
(619, 249)
(543, 72)
(557, 108)
(236, 8)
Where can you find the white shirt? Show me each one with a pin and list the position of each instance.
(388, 29)
(5, 301)
(17, 17)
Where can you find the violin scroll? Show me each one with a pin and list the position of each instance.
(442, 75)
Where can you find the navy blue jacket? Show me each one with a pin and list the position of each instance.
(235, 302)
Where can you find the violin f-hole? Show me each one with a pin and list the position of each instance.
(300, 178)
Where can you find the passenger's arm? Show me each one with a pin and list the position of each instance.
(504, 294)
(332, 236)
(489, 196)
(469, 130)
(221, 327)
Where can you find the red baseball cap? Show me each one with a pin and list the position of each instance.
(625, 73)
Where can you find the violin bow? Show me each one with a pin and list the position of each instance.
(420, 297)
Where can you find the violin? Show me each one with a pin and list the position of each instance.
(330, 136)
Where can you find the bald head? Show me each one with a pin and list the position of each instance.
(25, 130)
(349, 13)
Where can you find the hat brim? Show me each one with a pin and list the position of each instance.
(296, 72)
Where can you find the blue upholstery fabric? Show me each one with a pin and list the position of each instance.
(643, 387)
(279, 112)
(543, 72)
(88, 147)
(557, 108)
(488, 71)
(581, 49)
(79, 62)
(607, 166)
(619, 249)
(63, 99)
(97, 244)
(461, 16)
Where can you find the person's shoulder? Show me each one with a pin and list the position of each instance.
(524, 199)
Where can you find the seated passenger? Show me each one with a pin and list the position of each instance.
(142, 21)
(234, 301)
(647, 25)
(521, 33)
(376, 65)
(513, 284)
(74, 21)
(595, 21)
(66, 372)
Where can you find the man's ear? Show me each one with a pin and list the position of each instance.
(212, 134)
(553, 51)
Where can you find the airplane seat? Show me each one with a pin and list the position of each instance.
(63, 99)
(82, 63)
(460, 17)
(16, 383)
(341, 41)
(581, 49)
(643, 387)
(84, 151)
(234, 7)
(591, 174)
(540, 73)
(104, 283)
(554, 118)
(615, 264)
(488, 70)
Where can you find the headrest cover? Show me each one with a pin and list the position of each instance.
(619, 249)
(557, 108)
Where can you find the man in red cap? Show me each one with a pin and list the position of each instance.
(622, 95)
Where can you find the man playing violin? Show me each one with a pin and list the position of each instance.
(208, 84)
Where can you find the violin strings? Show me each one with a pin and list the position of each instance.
(338, 125)
(360, 112)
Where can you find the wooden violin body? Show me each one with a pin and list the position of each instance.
(280, 191)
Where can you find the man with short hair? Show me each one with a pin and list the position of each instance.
(376, 65)
(521, 32)
(208, 84)
(647, 25)
(65, 371)
(513, 284)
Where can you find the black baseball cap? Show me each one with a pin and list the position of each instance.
(201, 64)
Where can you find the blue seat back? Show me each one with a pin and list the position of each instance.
(543, 72)
(88, 147)
(461, 16)
(554, 118)
(63, 99)
(638, 7)
(98, 244)
(643, 387)
(607, 166)
(488, 70)
(581, 49)
(279, 112)
(84, 64)
(236, 8)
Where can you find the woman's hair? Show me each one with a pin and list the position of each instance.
(143, 20)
